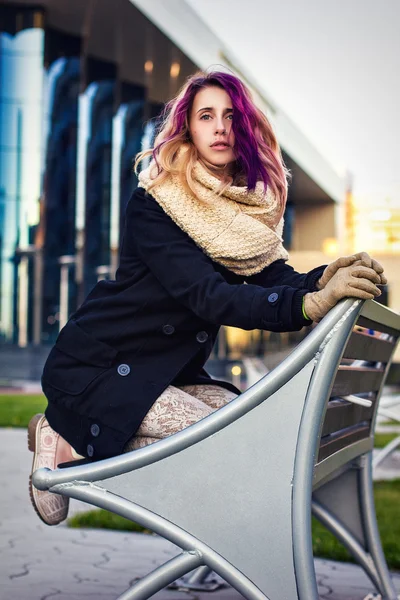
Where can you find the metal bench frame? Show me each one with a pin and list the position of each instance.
(236, 491)
(388, 409)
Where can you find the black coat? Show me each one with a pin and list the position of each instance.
(155, 325)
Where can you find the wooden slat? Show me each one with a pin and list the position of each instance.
(377, 313)
(341, 414)
(337, 441)
(325, 470)
(362, 346)
(351, 380)
(364, 322)
(347, 361)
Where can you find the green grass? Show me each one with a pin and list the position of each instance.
(387, 504)
(381, 439)
(16, 410)
(102, 519)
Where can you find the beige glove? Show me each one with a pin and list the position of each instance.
(361, 258)
(354, 281)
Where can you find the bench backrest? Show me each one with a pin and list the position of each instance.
(351, 400)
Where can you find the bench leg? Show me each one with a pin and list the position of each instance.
(348, 540)
(386, 451)
(200, 580)
(199, 575)
(346, 507)
(371, 528)
(163, 576)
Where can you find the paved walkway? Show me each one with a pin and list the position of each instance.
(38, 562)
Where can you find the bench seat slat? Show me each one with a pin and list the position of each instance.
(356, 380)
(341, 439)
(341, 414)
(331, 466)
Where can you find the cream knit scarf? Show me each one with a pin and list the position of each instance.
(236, 229)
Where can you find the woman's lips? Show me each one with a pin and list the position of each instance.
(220, 147)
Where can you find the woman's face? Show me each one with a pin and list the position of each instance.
(210, 122)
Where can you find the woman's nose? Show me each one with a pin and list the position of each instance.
(220, 128)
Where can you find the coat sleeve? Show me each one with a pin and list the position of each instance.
(189, 276)
(280, 273)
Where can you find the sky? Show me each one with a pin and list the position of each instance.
(334, 69)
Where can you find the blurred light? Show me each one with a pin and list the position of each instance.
(175, 69)
(237, 340)
(33, 214)
(380, 215)
(118, 139)
(236, 370)
(38, 19)
(330, 246)
(148, 66)
(85, 107)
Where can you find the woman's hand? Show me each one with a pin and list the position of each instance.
(354, 281)
(361, 259)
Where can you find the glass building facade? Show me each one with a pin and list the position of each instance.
(72, 119)
(21, 103)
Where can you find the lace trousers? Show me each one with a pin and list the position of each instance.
(177, 408)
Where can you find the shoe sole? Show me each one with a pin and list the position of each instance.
(32, 429)
(33, 440)
(32, 432)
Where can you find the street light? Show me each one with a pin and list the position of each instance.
(236, 372)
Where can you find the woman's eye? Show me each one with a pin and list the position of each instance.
(202, 117)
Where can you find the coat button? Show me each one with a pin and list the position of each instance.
(123, 370)
(273, 298)
(168, 329)
(90, 450)
(95, 430)
(202, 337)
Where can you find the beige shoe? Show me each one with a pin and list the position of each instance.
(43, 442)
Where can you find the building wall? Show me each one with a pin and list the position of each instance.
(313, 224)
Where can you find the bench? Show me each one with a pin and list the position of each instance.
(236, 491)
(389, 408)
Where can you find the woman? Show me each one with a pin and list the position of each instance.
(207, 217)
